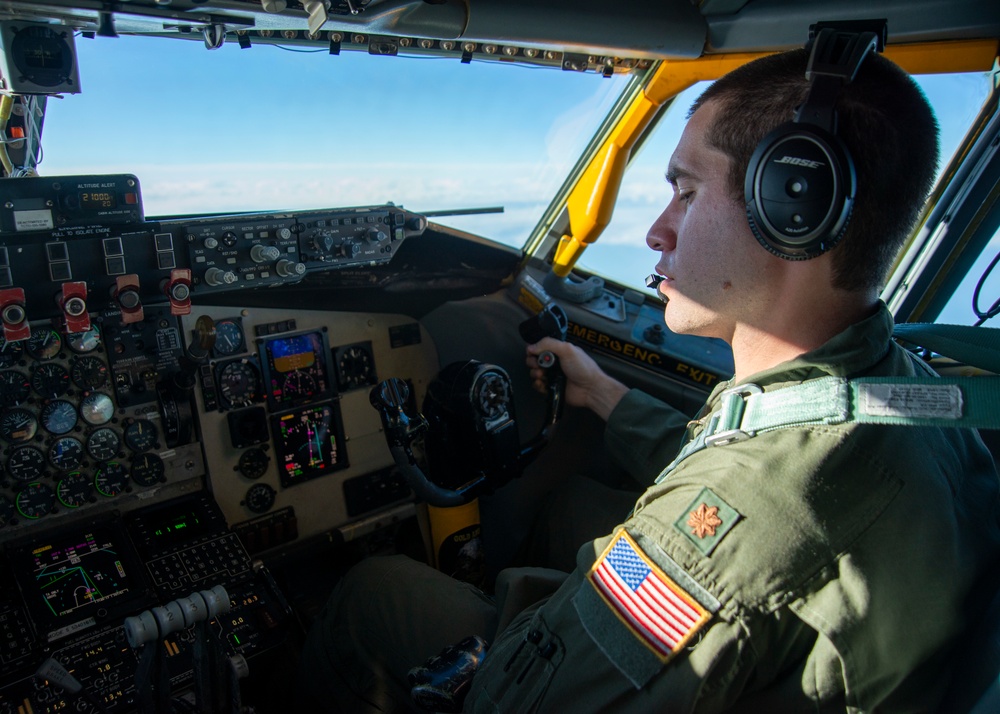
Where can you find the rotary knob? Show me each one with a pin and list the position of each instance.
(264, 253)
(217, 276)
(290, 269)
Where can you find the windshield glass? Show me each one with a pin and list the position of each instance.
(271, 128)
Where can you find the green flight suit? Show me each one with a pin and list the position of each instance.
(836, 578)
(829, 567)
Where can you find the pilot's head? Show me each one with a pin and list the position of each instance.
(885, 123)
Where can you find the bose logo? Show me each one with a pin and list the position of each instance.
(795, 161)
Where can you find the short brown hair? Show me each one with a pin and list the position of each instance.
(886, 124)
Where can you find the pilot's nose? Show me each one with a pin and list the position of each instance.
(661, 235)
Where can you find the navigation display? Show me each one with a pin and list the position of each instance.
(309, 442)
(297, 369)
(88, 573)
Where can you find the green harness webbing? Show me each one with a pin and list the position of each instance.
(966, 402)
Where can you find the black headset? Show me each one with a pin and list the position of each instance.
(800, 183)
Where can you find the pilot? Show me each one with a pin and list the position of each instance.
(814, 567)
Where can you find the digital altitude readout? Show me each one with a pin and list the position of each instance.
(97, 199)
(309, 443)
(297, 369)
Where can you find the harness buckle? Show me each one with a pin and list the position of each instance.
(730, 415)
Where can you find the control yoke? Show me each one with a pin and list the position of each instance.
(470, 437)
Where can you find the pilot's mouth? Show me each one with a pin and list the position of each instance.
(653, 282)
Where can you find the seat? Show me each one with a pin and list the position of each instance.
(975, 688)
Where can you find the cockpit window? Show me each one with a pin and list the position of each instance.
(270, 128)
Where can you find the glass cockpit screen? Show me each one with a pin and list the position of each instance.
(297, 369)
(78, 575)
(309, 442)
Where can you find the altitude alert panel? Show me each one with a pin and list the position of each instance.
(38, 58)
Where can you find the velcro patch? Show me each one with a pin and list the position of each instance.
(658, 611)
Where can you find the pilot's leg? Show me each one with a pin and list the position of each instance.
(388, 614)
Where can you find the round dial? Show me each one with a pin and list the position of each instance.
(229, 338)
(259, 498)
(50, 380)
(89, 373)
(148, 470)
(14, 388)
(103, 444)
(26, 463)
(253, 463)
(42, 55)
(59, 416)
(97, 408)
(140, 435)
(18, 426)
(66, 453)
(74, 489)
(356, 367)
(35, 500)
(239, 384)
(82, 342)
(10, 352)
(298, 384)
(491, 395)
(44, 343)
(111, 478)
(7, 511)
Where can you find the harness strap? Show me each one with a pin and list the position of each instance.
(964, 402)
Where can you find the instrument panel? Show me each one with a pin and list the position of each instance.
(155, 441)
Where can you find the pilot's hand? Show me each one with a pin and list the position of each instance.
(586, 384)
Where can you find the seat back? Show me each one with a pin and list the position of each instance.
(975, 688)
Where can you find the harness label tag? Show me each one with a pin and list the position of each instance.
(927, 401)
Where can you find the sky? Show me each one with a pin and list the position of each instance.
(268, 128)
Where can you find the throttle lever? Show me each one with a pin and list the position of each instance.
(389, 397)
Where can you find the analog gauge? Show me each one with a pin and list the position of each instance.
(44, 343)
(26, 463)
(82, 342)
(259, 498)
(59, 416)
(239, 384)
(491, 395)
(229, 338)
(14, 388)
(103, 444)
(74, 490)
(97, 409)
(18, 426)
(148, 470)
(356, 367)
(50, 380)
(66, 453)
(111, 478)
(140, 435)
(10, 352)
(42, 56)
(7, 511)
(253, 463)
(35, 500)
(89, 373)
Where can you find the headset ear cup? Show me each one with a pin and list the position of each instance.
(799, 190)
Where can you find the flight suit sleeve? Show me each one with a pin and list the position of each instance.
(643, 435)
(576, 652)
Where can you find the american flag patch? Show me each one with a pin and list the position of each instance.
(660, 613)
